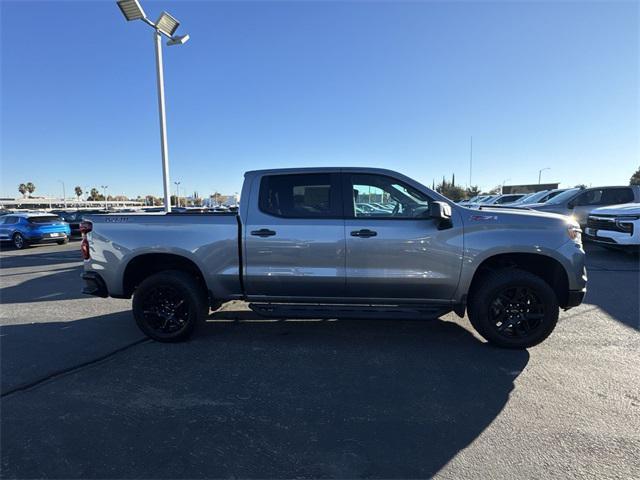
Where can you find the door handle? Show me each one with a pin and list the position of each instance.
(263, 232)
(364, 233)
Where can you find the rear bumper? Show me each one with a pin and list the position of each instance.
(93, 284)
(38, 237)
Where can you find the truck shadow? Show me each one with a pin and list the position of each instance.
(59, 284)
(614, 283)
(249, 397)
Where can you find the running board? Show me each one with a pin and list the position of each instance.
(379, 312)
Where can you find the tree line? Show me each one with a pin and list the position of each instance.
(447, 188)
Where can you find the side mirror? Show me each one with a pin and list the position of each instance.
(441, 211)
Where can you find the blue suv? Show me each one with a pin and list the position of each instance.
(23, 229)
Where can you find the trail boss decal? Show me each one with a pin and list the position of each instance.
(483, 218)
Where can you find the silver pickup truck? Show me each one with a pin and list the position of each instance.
(341, 243)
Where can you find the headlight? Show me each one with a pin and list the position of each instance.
(574, 233)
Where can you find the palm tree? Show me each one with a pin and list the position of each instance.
(78, 191)
(30, 188)
(22, 188)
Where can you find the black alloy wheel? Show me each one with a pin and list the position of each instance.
(516, 312)
(165, 310)
(513, 308)
(168, 305)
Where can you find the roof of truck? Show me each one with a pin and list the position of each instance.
(322, 170)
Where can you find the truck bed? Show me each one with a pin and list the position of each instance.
(210, 241)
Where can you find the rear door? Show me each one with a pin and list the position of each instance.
(397, 252)
(294, 240)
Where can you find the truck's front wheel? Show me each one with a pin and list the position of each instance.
(168, 305)
(513, 308)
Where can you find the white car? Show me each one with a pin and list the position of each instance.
(615, 225)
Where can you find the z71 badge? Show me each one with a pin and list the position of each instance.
(482, 218)
(116, 219)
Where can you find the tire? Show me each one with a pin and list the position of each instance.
(513, 308)
(19, 242)
(62, 242)
(168, 305)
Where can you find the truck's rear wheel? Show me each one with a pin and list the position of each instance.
(168, 305)
(513, 308)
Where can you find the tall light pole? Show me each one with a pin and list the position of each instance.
(64, 194)
(503, 182)
(104, 194)
(470, 160)
(165, 25)
(540, 173)
(177, 193)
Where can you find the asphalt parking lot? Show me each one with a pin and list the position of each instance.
(84, 395)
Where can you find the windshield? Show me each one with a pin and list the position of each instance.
(566, 195)
(533, 198)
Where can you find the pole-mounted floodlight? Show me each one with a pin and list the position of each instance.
(165, 25)
(131, 9)
(178, 40)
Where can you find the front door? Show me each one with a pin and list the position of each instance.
(294, 240)
(394, 250)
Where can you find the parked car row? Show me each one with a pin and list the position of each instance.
(512, 199)
(608, 215)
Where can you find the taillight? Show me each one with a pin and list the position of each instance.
(85, 227)
(84, 248)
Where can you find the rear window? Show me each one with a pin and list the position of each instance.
(300, 196)
(45, 219)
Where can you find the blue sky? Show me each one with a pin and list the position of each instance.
(280, 84)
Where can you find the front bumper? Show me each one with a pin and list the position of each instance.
(612, 237)
(94, 285)
(575, 298)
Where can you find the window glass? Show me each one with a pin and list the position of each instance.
(612, 196)
(590, 197)
(377, 196)
(563, 196)
(299, 196)
(44, 219)
(508, 198)
(11, 220)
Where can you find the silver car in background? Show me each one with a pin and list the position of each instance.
(579, 202)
